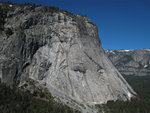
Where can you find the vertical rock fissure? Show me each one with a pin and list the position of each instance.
(67, 58)
(98, 66)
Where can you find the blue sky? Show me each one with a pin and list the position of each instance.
(122, 24)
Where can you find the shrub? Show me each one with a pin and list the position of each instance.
(12, 100)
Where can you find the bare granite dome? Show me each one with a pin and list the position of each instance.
(61, 51)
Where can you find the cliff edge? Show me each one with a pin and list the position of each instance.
(60, 50)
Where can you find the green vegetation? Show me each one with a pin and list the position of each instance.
(36, 90)
(140, 104)
(12, 100)
(141, 85)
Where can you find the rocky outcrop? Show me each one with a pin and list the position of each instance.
(131, 62)
(60, 50)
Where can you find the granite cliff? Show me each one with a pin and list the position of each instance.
(131, 62)
(60, 50)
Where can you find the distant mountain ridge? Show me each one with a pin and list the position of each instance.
(131, 62)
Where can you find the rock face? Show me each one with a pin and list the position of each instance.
(59, 50)
(131, 62)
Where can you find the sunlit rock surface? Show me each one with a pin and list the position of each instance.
(62, 51)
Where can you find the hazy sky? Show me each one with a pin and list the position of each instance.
(123, 24)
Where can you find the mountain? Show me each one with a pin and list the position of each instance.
(131, 62)
(62, 52)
